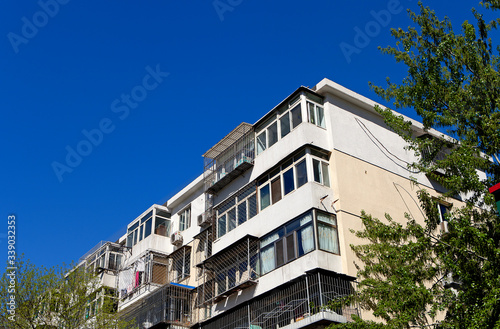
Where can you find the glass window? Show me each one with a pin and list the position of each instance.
(301, 171)
(443, 210)
(231, 219)
(287, 243)
(242, 213)
(327, 233)
(285, 124)
(276, 189)
(290, 247)
(141, 232)
(264, 197)
(261, 142)
(326, 174)
(162, 226)
(185, 219)
(320, 117)
(311, 113)
(267, 261)
(288, 181)
(296, 115)
(147, 229)
(305, 240)
(280, 257)
(272, 134)
(317, 170)
(252, 206)
(221, 226)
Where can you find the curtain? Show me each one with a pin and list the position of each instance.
(267, 259)
(306, 240)
(328, 239)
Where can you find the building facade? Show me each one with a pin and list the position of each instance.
(261, 238)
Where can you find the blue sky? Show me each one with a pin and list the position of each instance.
(140, 90)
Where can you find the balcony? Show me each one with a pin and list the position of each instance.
(230, 270)
(229, 158)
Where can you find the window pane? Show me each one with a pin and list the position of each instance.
(252, 206)
(276, 190)
(182, 222)
(325, 172)
(162, 227)
(290, 248)
(231, 278)
(272, 237)
(320, 117)
(327, 238)
(242, 213)
(261, 142)
(147, 229)
(310, 110)
(221, 226)
(288, 181)
(285, 124)
(267, 259)
(264, 197)
(326, 218)
(141, 232)
(296, 116)
(442, 211)
(231, 219)
(301, 170)
(280, 257)
(273, 133)
(305, 240)
(317, 170)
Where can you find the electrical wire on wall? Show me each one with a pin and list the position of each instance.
(391, 156)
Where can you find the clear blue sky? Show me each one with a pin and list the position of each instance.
(194, 71)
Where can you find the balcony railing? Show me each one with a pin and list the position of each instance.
(229, 158)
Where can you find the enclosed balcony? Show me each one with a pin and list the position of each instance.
(229, 158)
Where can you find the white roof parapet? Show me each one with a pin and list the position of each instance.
(229, 140)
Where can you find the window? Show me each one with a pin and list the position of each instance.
(142, 228)
(443, 210)
(316, 114)
(185, 219)
(320, 172)
(279, 125)
(285, 124)
(283, 179)
(272, 133)
(181, 264)
(327, 232)
(236, 210)
(264, 196)
(296, 115)
(261, 142)
(288, 242)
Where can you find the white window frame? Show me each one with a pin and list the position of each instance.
(186, 214)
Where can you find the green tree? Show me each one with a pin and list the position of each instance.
(411, 271)
(57, 297)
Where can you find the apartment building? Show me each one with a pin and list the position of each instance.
(261, 238)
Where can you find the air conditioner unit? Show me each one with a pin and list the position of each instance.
(205, 219)
(444, 227)
(176, 238)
